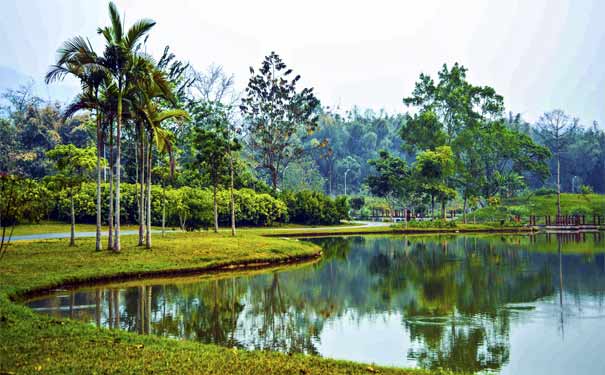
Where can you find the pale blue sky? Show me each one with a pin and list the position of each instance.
(539, 54)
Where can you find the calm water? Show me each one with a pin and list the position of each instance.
(508, 304)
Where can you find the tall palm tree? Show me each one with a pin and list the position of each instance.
(77, 58)
(118, 56)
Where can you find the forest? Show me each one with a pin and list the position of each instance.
(173, 145)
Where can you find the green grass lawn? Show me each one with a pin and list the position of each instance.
(32, 343)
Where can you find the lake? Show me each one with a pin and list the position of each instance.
(502, 304)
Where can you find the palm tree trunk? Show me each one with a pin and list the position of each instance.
(98, 244)
(111, 206)
(232, 197)
(163, 210)
(148, 231)
(117, 246)
(72, 234)
(141, 188)
(215, 208)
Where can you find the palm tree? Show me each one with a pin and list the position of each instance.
(120, 49)
(77, 58)
(151, 92)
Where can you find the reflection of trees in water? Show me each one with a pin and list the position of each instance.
(451, 291)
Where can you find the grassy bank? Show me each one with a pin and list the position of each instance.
(31, 343)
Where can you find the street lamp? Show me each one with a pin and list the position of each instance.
(347, 171)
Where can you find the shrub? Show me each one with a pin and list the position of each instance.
(314, 208)
(186, 207)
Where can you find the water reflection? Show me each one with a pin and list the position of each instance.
(463, 303)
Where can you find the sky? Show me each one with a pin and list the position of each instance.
(540, 55)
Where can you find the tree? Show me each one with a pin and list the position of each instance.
(74, 166)
(77, 58)
(276, 114)
(120, 48)
(212, 146)
(432, 170)
(391, 179)
(21, 199)
(556, 129)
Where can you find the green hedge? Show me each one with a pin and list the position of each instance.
(313, 208)
(185, 206)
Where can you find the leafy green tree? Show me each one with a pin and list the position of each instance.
(212, 145)
(21, 199)
(74, 166)
(391, 179)
(276, 114)
(432, 170)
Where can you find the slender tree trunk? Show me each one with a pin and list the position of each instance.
(432, 206)
(98, 244)
(163, 210)
(111, 192)
(215, 208)
(141, 188)
(148, 221)
(443, 209)
(464, 210)
(274, 179)
(117, 245)
(232, 197)
(72, 234)
(558, 185)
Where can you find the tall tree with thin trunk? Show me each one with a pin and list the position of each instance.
(557, 130)
(277, 115)
(77, 58)
(74, 166)
(212, 146)
(120, 49)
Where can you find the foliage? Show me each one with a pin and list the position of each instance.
(187, 207)
(21, 200)
(313, 208)
(277, 116)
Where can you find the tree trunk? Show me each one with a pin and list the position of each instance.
(111, 206)
(432, 206)
(232, 197)
(443, 209)
(148, 221)
(215, 208)
(72, 234)
(464, 210)
(98, 244)
(274, 179)
(163, 210)
(141, 187)
(558, 185)
(117, 245)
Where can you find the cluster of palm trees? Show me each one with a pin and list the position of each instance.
(129, 92)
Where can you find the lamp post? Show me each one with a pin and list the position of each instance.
(347, 171)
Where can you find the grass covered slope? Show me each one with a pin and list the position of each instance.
(543, 205)
(32, 343)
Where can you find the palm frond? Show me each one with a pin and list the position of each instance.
(116, 23)
(136, 32)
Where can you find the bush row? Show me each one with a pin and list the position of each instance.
(192, 208)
